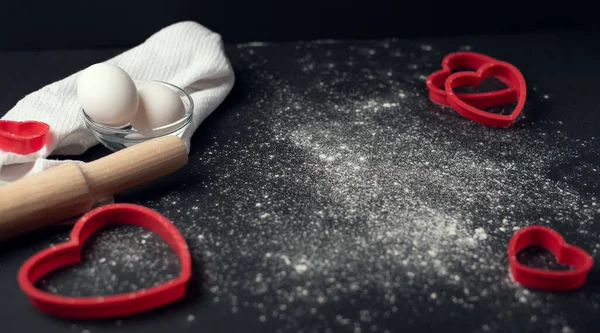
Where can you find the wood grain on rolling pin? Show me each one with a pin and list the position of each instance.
(71, 189)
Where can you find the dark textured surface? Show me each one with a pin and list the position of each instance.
(329, 194)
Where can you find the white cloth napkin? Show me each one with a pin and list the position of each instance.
(185, 54)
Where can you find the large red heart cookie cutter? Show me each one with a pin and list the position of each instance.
(497, 68)
(70, 253)
(472, 60)
(565, 253)
(22, 137)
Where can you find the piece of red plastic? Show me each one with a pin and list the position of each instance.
(22, 137)
(435, 81)
(497, 68)
(580, 261)
(70, 253)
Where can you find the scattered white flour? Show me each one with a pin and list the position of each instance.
(301, 268)
(340, 197)
(252, 44)
(132, 265)
(426, 47)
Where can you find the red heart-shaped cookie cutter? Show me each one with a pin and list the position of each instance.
(70, 253)
(565, 253)
(22, 137)
(472, 60)
(497, 68)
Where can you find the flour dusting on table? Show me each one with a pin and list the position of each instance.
(349, 192)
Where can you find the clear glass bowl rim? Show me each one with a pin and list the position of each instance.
(172, 127)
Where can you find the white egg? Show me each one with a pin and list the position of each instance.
(159, 106)
(107, 94)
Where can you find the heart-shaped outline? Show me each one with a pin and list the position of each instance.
(23, 137)
(472, 60)
(69, 253)
(565, 253)
(498, 68)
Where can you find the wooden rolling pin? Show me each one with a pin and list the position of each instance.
(71, 189)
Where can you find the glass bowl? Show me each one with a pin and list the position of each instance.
(117, 138)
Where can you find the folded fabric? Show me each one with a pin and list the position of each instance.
(185, 54)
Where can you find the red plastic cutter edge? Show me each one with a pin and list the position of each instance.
(565, 253)
(497, 68)
(473, 60)
(20, 143)
(70, 253)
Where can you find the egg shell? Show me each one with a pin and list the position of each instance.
(107, 94)
(159, 106)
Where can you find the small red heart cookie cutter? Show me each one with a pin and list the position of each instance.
(69, 253)
(496, 68)
(565, 253)
(22, 137)
(472, 60)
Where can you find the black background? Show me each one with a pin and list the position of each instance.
(34, 24)
(561, 64)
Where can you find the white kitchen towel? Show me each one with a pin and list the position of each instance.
(185, 54)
